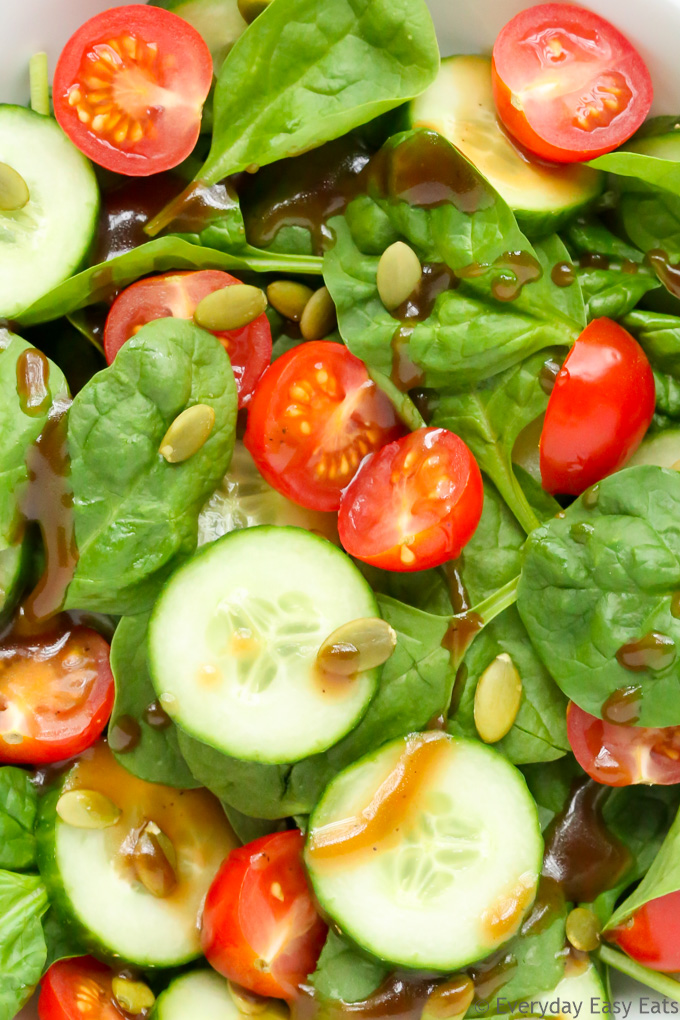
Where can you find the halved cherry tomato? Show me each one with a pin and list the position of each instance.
(78, 989)
(129, 89)
(652, 935)
(177, 294)
(567, 84)
(414, 504)
(56, 695)
(618, 755)
(599, 410)
(314, 416)
(260, 926)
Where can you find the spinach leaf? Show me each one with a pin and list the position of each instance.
(550, 784)
(247, 829)
(135, 515)
(662, 878)
(602, 577)
(103, 281)
(613, 293)
(18, 808)
(156, 758)
(651, 219)
(661, 173)
(212, 218)
(60, 941)
(305, 73)
(589, 235)
(344, 973)
(659, 336)
(428, 590)
(492, 556)
(23, 901)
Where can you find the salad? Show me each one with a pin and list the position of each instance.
(339, 518)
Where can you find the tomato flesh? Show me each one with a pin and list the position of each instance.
(567, 84)
(260, 926)
(652, 935)
(178, 294)
(314, 415)
(414, 504)
(56, 695)
(129, 89)
(78, 989)
(599, 410)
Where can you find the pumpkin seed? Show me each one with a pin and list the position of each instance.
(497, 699)
(356, 646)
(289, 298)
(87, 809)
(230, 308)
(249, 9)
(133, 996)
(155, 861)
(188, 433)
(319, 318)
(14, 193)
(583, 929)
(399, 273)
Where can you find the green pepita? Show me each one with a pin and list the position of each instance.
(319, 317)
(249, 9)
(133, 996)
(230, 308)
(14, 193)
(187, 434)
(356, 646)
(497, 699)
(583, 929)
(155, 861)
(399, 272)
(87, 809)
(289, 298)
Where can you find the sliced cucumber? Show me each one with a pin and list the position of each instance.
(659, 137)
(662, 449)
(44, 242)
(220, 22)
(233, 642)
(581, 992)
(459, 105)
(94, 883)
(204, 995)
(244, 500)
(448, 861)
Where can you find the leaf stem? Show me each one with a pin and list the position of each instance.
(495, 604)
(513, 494)
(404, 406)
(653, 979)
(39, 81)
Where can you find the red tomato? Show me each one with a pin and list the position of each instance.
(260, 926)
(652, 936)
(599, 410)
(414, 504)
(314, 416)
(567, 84)
(129, 89)
(78, 989)
(56, 695)
(617, 755)
(177, 294)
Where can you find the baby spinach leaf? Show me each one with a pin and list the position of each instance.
(135, 515)
(602, 577)
(343, 973)
(550, 784)
(156, 758)
(23, 901)
(247, 829)
(651, 219)
(662, 173)
(60, 941)
(18, 808)
(305, 73)
(613, 293)
(492, 556)
(662, 878)
(217, 222)
(659, 337)
(589, 235)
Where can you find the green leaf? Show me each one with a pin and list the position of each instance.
(61, 943)
(18, 808)
(101, 282)
(662, 173)
(492, 556)
(662, 878)
(305, 73)
(659, 337)
(135, 515)
(612, 293)
(601, 577)
(345, 974)
(23, 901)
(247, 829)
(157, 757)
(652, 219)
(588, 236)
(216, 223)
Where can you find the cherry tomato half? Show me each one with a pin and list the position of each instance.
(567, 84)
(652, 935)
(414, 504)
(599, 410)
(78, 989)
(618, 755)
(56, 695)
(177, 294)
(129, 89)
(314, 416)
(260, 926)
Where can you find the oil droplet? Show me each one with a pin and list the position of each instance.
(156, 717)
(548, 375)
(623, 706)
(581, 532)
(563, 274)
(675, 604)
(593, 260)
(591, 496)
(653, 651)
(125, 734)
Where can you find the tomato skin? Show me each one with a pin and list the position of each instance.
(145, 72)
(557, 70)
(177, 294)
(599, 410)
(60, 706)
(78, 989)
(314, 415)
(260, 925)
(425, 488)
(652, 935)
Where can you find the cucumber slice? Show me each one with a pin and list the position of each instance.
(660, 137)
(219, 22)
(581, 990)
(662, 449)
(459, 105)
(244, 500)
(205, 995)
(91, 878)
(449, 859)
(233, 641)
(46, 241)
